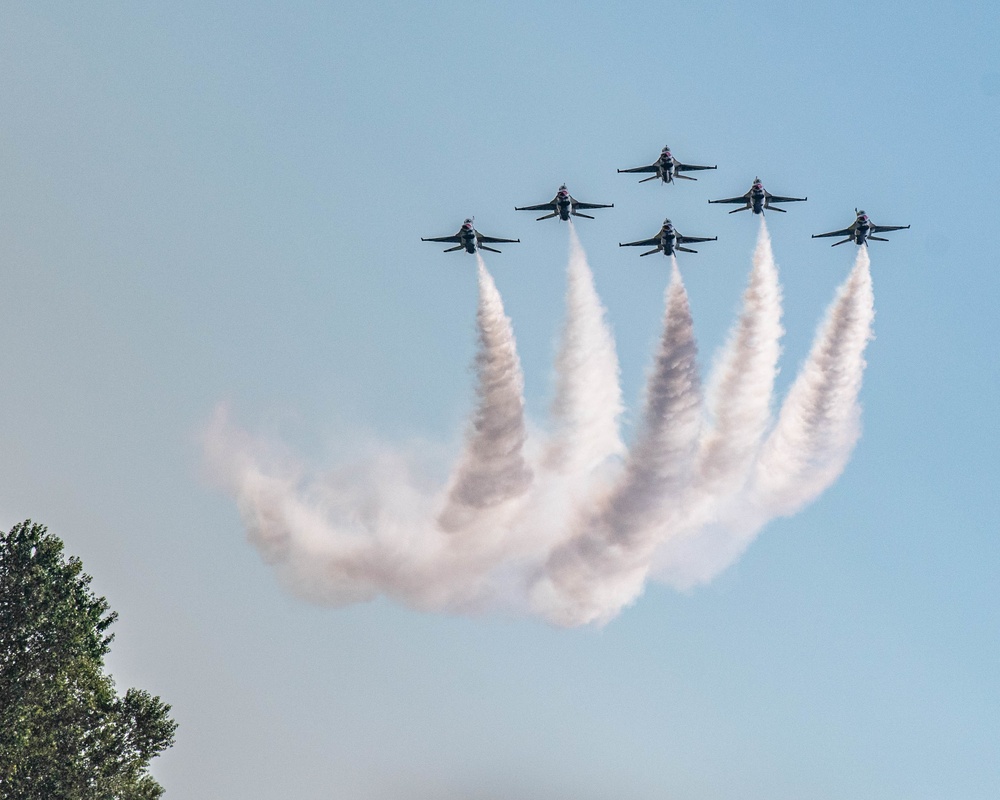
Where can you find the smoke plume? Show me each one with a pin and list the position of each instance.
(604, 567)
(492, 469)
(808, 448)
(588, 400)
(820, 420)
(568, 524)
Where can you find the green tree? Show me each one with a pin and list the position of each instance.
(65, 733)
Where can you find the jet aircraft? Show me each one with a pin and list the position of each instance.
(563, 205)
(668, 240)
(861, 231)
(759, 200)
(666, 168)
(468, 238)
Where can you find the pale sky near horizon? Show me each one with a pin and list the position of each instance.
(210, 203)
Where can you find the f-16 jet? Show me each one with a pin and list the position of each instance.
(759, 200)
(666, 168)
(468, 238)
(861, 231)
(668, 240)
(563, 205)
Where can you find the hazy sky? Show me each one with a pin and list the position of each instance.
(208, 202)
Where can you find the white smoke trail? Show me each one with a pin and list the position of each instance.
(738, 404)
(492, 470)
(588, 400)
(576, 540)
(341, 538)
(376, 528)
(817, 429)
(819, 422)
(742, 383)
(603, 568)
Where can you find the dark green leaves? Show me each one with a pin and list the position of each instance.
(65, 734)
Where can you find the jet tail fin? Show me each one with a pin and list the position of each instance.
(548, 216)
(685, 177)
(492, 250)
(685, 249)
(651, 178)
(657, 250)
(578, 214)
(877, 238)
(775, 208)
(453, 249)
(745, 208)
(842, 241)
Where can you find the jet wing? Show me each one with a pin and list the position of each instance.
(454, 238)
(642, 243)
(678, 167)
(884, 228)
(774, 198)
(578, 204)
(539, 207)
(845, 232)
(692, 239)
(650, 168)
(493, 239)
(743, 198)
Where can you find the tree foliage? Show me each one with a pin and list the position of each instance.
(65, 733)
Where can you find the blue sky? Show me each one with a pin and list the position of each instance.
(208, 202)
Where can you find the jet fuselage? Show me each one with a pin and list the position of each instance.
(666, 165)
(864, 227)
(468, 235)
(668, 238)
(564, 205)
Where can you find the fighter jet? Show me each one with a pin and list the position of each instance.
(861, 231)
(759, 200)
(563, 205)
(666, 168)
(667, 240)
(469, 239)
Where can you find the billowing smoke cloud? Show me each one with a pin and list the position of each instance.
(817, 428)
(604, 567)
(820, 421)
(568, 524)
(492, 470)
(742, 383)
(588, 399)
(738, 414)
